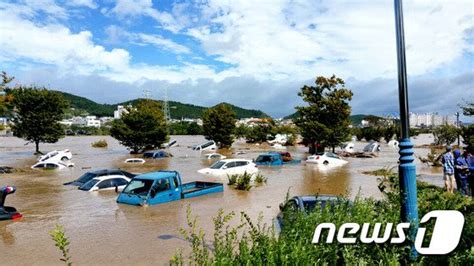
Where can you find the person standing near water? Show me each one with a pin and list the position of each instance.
(448, 170)
(460, 172)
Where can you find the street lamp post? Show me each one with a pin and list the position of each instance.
(457, 126)
(406, 168)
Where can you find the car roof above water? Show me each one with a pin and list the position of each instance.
(157, 175)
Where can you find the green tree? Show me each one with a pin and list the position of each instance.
(241, 131)
(445, 134)
(467, 132)
(38, 112)
(219, 124)
(325, 121)
(4, 98)
(144, 127)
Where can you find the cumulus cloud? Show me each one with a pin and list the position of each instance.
(255, 54)
(117, 35)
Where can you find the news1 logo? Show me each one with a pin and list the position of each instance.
(445, 237)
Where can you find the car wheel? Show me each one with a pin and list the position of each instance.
(64, 158)
(325, 162)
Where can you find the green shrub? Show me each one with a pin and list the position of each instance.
(260, 179)
(251, 243)
(240, 182)
(62, 243)
(100, 144)
(243, 182)
(232, 179)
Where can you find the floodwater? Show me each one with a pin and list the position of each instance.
(104, 232)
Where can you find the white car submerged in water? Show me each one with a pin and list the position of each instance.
(50, 165)
(226, 167)
(206, 146)
(107, 182)
(326, 158)
(214, 156)
(56, 156)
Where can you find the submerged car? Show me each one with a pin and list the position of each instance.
(56, 156)
(206, 146)
(305, 204)
(98, 173)
(275, 159)
(50, 165)
(372, 147)
(156, 154)
(213, 156)
(326, 158)
(107, 182)
(135, 161)
(162, 187)
(225, 167)
(7, 212)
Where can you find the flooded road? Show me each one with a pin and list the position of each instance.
(104, 232)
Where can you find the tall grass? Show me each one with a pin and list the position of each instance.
(62, 243)
(251, 243)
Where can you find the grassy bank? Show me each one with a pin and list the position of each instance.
(255, 243)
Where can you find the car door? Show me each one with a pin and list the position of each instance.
(105, 184)
(119, 183)
(240, 167)
(229, 168)
(160, 192)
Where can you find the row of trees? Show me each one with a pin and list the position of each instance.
(322, 122)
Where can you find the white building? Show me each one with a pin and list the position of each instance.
(92, 121)
(120, 111)
(431, 120)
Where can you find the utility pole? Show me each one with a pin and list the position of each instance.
(146, 94)
(406, 168)
(166, 107)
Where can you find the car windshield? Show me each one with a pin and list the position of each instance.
(86, 177)
(88, 185)
(148, 155)
(217, 165)
(138, 187)
(264, 158)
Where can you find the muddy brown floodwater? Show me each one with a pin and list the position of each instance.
(104, 232)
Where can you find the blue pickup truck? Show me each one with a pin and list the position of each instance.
(163, 186)
(275, 159)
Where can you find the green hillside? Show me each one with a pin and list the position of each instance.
(177, 110)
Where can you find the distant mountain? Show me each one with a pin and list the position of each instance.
(355, 119)
(177, 110)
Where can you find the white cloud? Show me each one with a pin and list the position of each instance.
(80, 3)
(297, 39)
(116, 35)
(138, 8)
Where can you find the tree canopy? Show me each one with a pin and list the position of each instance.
(143, 128)
(325, 120)
(37, 115)
(219, 124)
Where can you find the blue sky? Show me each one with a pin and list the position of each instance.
(255, 54)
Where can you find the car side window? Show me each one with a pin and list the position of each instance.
(50, 166)
(41, 165)
(175, 181)
(119, 182)
(162, 185)
(230, 164)
(105, 184)
(241, 163)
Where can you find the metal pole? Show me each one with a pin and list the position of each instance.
(457, 126)
(406, 168)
